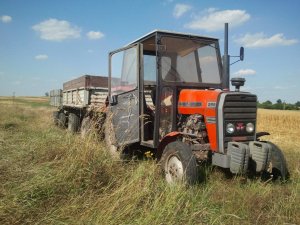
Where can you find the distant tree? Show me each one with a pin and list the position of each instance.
(290, 107)
(267, 105)
(268, 102)
(279, 105)
(47, 94)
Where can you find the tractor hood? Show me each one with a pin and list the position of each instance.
(193, 101)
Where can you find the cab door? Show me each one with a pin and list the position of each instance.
(124, 89)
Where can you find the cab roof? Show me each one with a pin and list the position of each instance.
(171, 33)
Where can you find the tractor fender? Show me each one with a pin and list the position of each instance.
(260, 134)
(170, 137)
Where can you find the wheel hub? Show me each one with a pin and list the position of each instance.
(174, 169)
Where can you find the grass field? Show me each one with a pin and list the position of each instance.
(27, 101)
(49, 176)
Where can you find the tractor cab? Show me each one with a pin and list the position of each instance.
(147, 76)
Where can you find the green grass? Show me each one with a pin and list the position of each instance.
(49, 176)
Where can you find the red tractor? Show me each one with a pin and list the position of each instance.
(169, 94)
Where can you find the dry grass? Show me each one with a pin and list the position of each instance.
(48, 176)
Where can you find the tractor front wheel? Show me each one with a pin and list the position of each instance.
(278, 167)
(179, 164)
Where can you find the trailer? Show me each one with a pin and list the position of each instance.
(56, 97)
(84, 99)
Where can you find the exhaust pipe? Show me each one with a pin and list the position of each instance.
(226, 60)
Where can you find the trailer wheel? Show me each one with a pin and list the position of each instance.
(278, 167)
(62, 120)
(73, 123)
(179, 164)
(55, 117)
(86, 127)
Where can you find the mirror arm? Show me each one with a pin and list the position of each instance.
(235, 61)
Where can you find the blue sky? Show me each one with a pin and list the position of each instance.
(45, 43)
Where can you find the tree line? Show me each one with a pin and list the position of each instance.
(281, 105)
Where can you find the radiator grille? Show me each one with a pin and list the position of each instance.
(239, 108)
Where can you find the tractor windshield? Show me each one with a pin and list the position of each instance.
(187, 60)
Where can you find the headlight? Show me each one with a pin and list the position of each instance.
(230, 128)
(250, 127)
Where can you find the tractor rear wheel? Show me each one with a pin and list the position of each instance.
(278, 166)
(179, 164)
(62, 120)
(73, 123)
(110, 138)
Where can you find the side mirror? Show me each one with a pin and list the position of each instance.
(241, 56)
(242, 53)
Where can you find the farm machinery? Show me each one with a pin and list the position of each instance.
(169, 93)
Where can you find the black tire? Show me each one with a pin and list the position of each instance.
(179, 164)
(55, 117)
(62, 120)
(110, 139)
(86, 127)
(73, 123)
(278, 167)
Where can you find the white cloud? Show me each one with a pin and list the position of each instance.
(284, 87)
(214, 20)
(41, 57)
(181, 9)
(56, 30)
(245, 72)
(94, 35)
(260, 40)
(6, 19)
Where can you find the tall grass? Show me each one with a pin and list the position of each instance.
(49, 176)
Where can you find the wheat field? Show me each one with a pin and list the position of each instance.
(49, 176)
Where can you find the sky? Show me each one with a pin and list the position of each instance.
(44, 43)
